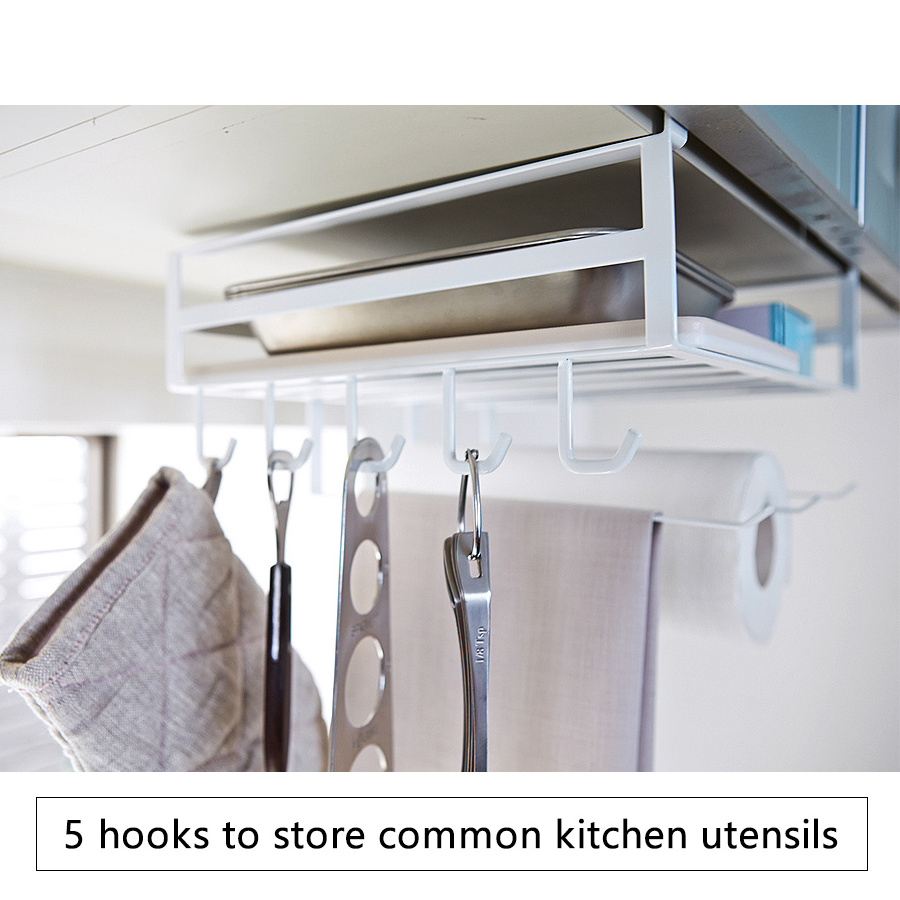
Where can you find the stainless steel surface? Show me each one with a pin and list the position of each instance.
(266, 285)
(604, 294)
(353, 626)
(470, 596)
(280, 460)
(725, 230)
(471, 459)
(467, 573)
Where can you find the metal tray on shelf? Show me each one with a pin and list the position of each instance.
(588, 296)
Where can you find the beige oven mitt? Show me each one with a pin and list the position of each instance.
(149, 657)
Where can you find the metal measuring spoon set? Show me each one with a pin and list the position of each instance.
(467, 573)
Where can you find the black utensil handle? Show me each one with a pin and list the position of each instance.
(277, 705)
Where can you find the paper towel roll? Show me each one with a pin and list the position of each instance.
(711, 577)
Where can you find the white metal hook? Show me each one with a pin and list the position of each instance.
(461, 466)
(352, 420)
(210, 462)
(281, 458)
(565, 400)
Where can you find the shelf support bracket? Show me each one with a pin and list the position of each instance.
(658, 234)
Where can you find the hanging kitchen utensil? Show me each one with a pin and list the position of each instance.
(467, 573)
(361, 730)
(277, 702)
(277, 699)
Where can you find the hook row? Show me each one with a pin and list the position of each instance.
(565, 401)
(485, 465)
(472, 465)
(280, 458)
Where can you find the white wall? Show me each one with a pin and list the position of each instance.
(85, 354)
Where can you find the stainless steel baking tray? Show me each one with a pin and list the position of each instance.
(605, 294)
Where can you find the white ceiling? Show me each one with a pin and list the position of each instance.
(110, 190)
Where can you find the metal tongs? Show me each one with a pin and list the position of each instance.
(468, 583)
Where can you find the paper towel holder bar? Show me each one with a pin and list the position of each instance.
(755, 519)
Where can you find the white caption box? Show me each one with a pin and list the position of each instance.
(452, 833)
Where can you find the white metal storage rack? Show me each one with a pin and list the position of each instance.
(662, 353)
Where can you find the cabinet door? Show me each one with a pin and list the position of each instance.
(881, 204)
(829, 136)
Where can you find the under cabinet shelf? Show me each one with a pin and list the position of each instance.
(611, 359)
(211, 343)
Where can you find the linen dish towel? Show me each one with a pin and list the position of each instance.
(149, 657)
(573, 637)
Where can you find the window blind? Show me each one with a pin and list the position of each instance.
(48, 519)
